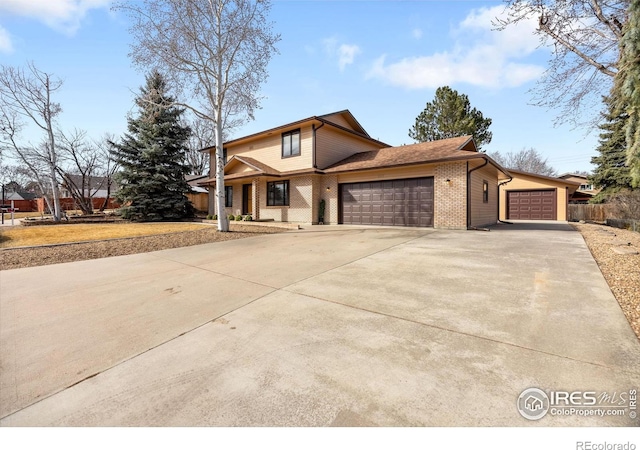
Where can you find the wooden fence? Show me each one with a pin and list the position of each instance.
(200, 200)
(22, 205)
(67, 203)
(591, 213)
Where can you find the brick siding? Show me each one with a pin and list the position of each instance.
(450, 198)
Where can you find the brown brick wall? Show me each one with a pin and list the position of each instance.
(300, 207)
(330, 198)
(450, 198)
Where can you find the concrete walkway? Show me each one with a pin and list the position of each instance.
(324, 326)
(7, 221)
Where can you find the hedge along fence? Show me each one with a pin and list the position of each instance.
(627, 224)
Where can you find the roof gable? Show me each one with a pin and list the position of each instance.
(242, 164)
(344, 119)
(553, 180)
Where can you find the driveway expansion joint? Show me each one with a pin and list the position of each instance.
(462, 333)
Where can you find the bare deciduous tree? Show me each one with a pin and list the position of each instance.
(26, 96)
(108, 164)
(202, 136)
(216, 51)
(527, 160)
(583, 36)
(79, 169)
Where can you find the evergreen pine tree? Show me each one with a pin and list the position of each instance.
(611, 174)
(627, 87)
(450, 115)
(152, 156)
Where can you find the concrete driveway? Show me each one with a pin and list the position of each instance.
(324, 326)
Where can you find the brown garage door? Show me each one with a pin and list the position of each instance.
(532, 205)
(395, 202)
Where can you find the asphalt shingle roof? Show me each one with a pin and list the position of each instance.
(423, 152)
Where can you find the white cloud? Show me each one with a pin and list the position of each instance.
(480, 57)
(344, 53)
(5, 41)
(61, 15)
(416, 33)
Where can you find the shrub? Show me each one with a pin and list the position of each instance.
(209, 217)
(232, 217)
(239, 217)
(626, 204)
(247, 218)
(215, 217)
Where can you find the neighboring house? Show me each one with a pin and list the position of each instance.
(283, 173)
(529, 196)
(96, 187)
(21, 199)
(585, 192)
(19, 195)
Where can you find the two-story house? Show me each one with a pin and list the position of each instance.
(283, 173)
(585, 192)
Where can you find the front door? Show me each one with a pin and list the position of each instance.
(247, 199)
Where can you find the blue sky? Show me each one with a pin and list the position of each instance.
(382, 60)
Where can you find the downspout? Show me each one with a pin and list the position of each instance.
(314, 129)
(486, 161)
(505, 196)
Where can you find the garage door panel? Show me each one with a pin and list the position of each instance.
(395, 202)
(532, 205)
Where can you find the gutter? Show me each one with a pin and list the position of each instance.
(505, 210)
(486, 161)
(314, 129)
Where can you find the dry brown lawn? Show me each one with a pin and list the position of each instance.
(20, 215)
(20, 257)
(61, 234)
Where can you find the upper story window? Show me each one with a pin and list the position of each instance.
(291, 143)
(485, 191)
(586, 187)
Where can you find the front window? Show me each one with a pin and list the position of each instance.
(228, 196)
(485, 191)
(278, 193)
(291, 144)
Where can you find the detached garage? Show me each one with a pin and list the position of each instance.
(538, 204)
(530, 196)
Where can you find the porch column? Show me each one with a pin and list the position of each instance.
(255, 198)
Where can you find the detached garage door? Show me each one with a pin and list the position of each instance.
(396, 202)
(532, 205)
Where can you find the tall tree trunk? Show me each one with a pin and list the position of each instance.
(53, 159)
(223, 220)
